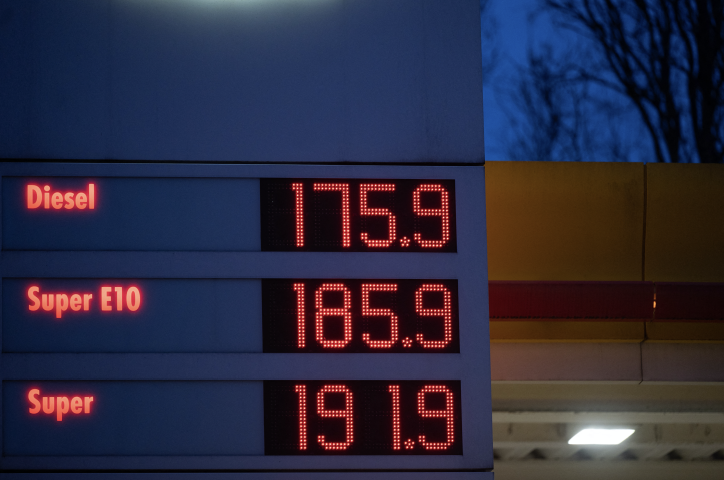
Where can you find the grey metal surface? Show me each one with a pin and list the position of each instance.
(565, 361)
(607, 362)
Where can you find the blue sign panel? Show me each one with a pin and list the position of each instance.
(132, 418)
(255, 318)
(131, 315)
(160, 214)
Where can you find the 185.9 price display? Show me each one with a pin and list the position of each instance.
(365, 316)
(362, 418)
(353, 215)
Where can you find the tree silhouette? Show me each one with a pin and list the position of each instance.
(555, 116)
(665, 58)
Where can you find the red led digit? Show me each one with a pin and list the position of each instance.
(302, 391)
(445, 313)
(299, 212)
(322, 311)
(346, 414)
(447, 414)
(443, 212)
(299, 288)
(379, 312)
(344, 188)
(378, 212)
(395, 391)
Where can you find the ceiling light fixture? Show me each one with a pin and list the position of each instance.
(600, 436)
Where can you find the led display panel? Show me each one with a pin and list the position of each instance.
(353, 215)
(365, 316)
(362, 418)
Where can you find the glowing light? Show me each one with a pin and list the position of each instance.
(428, 409)
(57, 301)
(395, 391)
(346, 414)
(299, 212)
(445, 313)
(443, 212)
(119, 298)
(379, 312)
(132, 298)
(323, 311)
(60, 302)
(106, 299)
(302, 391)
(301, 341)
(356, 315)
(601, 436)
(37, 198)
(380, 212)
(358, 215)
(344, 188)
(59, 404)
(447, 414)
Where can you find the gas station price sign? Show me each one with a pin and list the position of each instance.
(362, 418)
(244, 317)
(358, 215)
(363, 316)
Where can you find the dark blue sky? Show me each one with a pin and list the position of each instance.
(514, 33)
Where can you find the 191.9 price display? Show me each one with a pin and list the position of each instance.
(362, 418)
(365, 316)
(353, 215)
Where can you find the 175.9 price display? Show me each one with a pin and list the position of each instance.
(352, 215)
(362, 418)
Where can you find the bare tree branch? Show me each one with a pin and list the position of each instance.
(666, 57)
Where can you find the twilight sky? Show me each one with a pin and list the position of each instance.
(513, 36)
